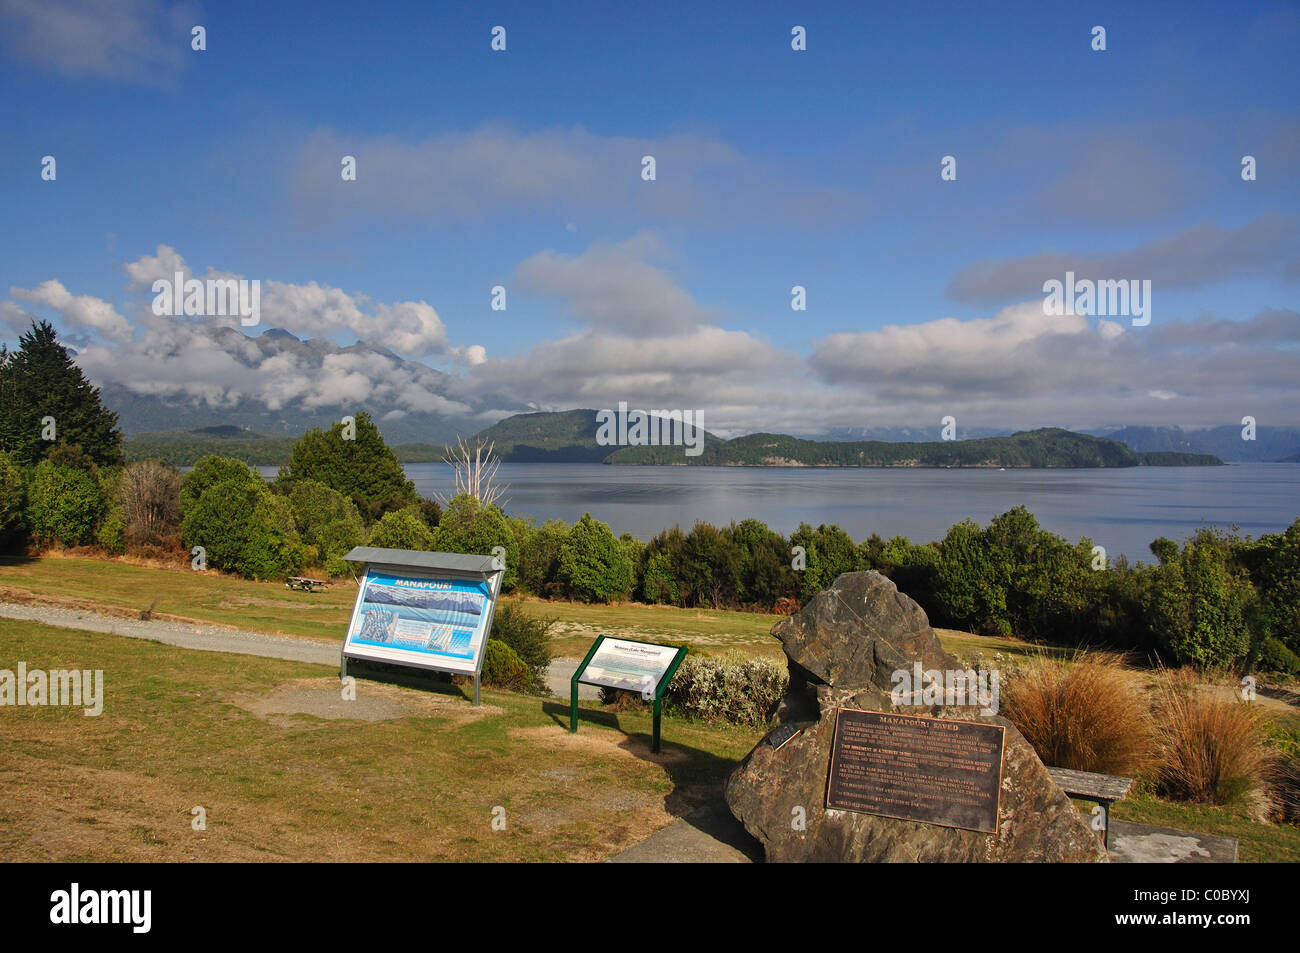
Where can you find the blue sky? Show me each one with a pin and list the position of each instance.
(775, 168)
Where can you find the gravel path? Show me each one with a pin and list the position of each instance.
(216, 638)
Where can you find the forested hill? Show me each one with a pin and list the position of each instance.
(1049, 447)
(570, 437)
(562, 437)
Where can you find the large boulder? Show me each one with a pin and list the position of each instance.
(857, 633)
(843, 650)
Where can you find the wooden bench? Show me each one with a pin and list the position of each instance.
(1105, 789)
(306, 584)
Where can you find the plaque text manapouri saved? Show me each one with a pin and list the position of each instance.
(933, 770)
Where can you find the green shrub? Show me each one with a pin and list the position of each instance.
(594, 566)
(274, 549)
(111, 535)
(219, 520)
(766, 575)
(401, 529)
(527, 636)
(828, 553)
(539, 557)
(354, 461)
(913, 569)
(13, 500)
(659, 584)
(467, 526)
(210, 471)
(244, 529)
(503, 668)
(1273, 562)
(710, 567)
(64, 505)
(328, 523)
(731, 687)
(430, 512)
(1013, 578)
(1197, 604)
(1274, 656)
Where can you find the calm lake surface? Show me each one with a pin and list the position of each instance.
(1121, 509)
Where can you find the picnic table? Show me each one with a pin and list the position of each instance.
(306, 584)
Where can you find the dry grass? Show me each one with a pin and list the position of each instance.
(1211, 749)
(1086, 713)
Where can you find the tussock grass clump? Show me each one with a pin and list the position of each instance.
(1086, 713)
(1211, 747)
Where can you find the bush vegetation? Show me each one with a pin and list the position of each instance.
(64, 505)
(526, 635)
(503, 668)
(731, 687)
(401, 529)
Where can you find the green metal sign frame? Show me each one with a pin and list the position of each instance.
(660, 688)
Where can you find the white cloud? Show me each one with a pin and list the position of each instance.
(615, 286)
(13, 319)
(552, 172)
(82, 312)
(164, 263)
(141, 41)
(1023, 369)
(312, 309)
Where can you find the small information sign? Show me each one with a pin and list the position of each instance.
(629, 665)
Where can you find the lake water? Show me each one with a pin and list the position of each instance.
(1121, 509)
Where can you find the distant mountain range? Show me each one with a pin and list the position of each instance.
(179, 428)
(1280, 444)
(571, 437)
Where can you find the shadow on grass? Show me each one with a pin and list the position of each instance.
(438, 683)
(697, 775)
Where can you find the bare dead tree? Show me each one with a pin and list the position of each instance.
(150, 501)
(476, 473)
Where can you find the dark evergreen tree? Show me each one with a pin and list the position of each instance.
(41, 380)
(360, 466)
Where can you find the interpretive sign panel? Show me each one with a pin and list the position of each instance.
(933, 770)
(427, 610)
(633, 666)
(420, 619)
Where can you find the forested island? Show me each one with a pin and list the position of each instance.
(1049, 447)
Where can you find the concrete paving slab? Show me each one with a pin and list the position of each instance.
(708, 835)
(1132, 843)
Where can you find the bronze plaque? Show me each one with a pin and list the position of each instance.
(931, 770)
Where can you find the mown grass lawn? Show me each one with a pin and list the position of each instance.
(286, 770)
(181, 729)
(199, 596)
